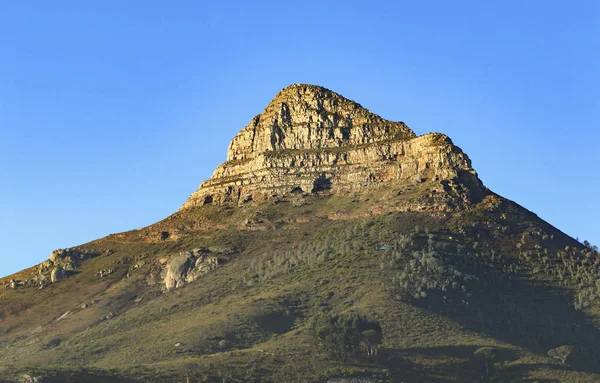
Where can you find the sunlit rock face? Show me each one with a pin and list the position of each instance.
(312, 140)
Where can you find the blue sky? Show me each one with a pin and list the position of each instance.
(113, 112)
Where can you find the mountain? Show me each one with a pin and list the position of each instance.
(310, 139)
(332, 244)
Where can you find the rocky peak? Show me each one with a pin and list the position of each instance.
(311, 139)
(302, 117)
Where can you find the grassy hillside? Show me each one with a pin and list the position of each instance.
(439, 284)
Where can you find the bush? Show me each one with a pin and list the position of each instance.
(345, 335)
(486, 356)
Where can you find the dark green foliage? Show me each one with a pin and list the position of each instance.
(485, 356)
(571, 267)
(440, 285)
(342, 336)
(54, 342)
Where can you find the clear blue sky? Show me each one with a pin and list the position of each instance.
(113, 112)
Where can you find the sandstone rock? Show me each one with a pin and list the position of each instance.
(206, 264)
(105, 272)
(189, 266)
(66, 257)
(27, 378)
(60, 254)
(69, 265)
(55, 255)
(57, 274)
(109, 316)
(40, 278)
(312, 140)
(203, 265)
(47, 265)
(176, 271)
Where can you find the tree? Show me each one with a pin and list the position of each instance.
(371, 339)
(486, 355)
(343, 335)
(561, 353)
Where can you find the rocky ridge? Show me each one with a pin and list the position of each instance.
(312, 140)
(62, 263)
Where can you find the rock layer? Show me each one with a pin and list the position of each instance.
(310, 139)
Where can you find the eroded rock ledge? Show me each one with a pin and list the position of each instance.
(310, 139)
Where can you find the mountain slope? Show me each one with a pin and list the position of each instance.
(359, 216)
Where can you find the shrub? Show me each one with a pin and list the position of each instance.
(344, 335)
(486, 356)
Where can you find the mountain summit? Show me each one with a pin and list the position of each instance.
(311, 139)
(332, 246)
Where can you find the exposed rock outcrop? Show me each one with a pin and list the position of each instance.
(176, 270)
(68, 255)
(310, 139)
(62, 263)
(105, 272)
(27, 378)
(188, 266)
(57, 274)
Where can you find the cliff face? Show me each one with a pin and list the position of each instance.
(310, 139)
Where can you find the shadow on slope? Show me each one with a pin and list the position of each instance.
(519, 311)
(79, 376)
(456, 363)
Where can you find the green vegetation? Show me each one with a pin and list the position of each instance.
(486, 356)
(342, 336)
(333, 286)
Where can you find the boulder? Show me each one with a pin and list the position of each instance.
(57, 274)
(203, 265)
(39, 279)
(28, 378)
(55, 255)
(47, 265)
(206, 264)
(67, 256)
(176, 271)
(69, 265)
(188, 266)
(105, 273)
(109, 316)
